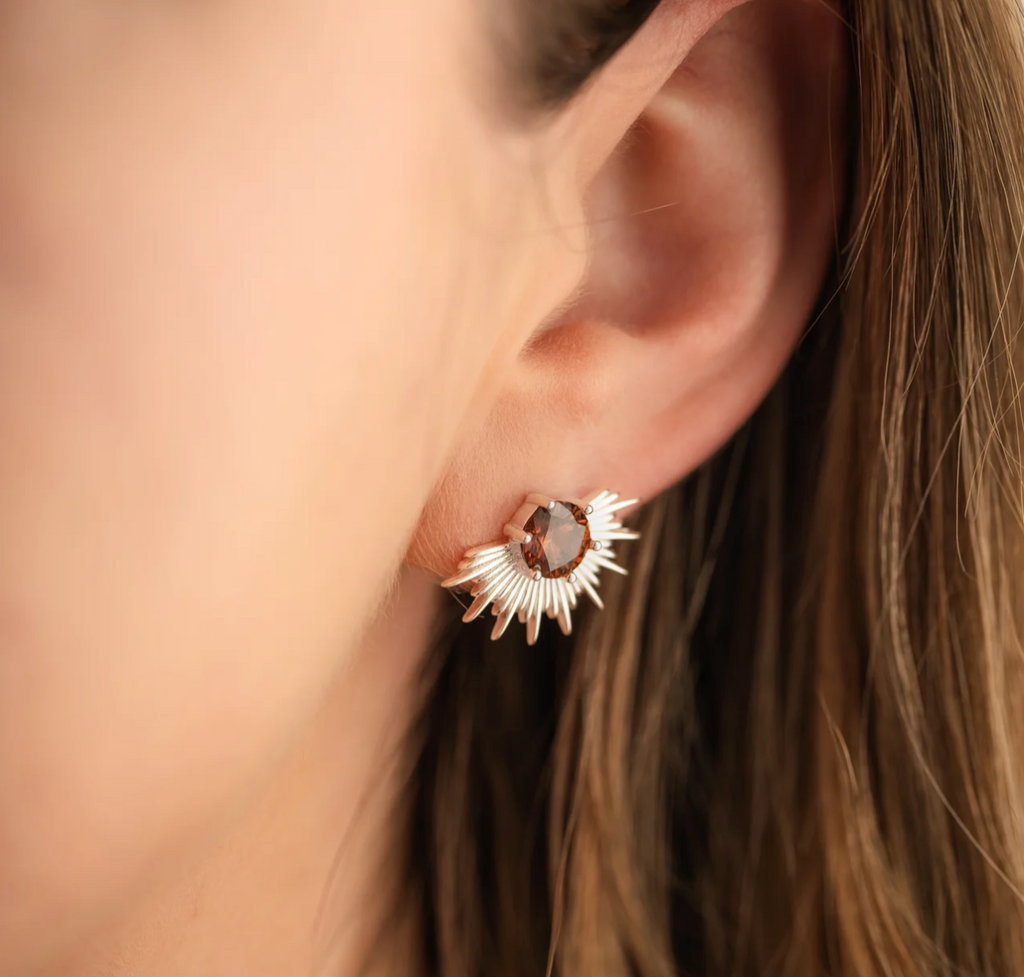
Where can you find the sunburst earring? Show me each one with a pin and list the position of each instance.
(555, 552)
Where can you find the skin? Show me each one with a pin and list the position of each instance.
(222, 406)
(285, 301)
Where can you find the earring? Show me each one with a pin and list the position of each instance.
(554, 553)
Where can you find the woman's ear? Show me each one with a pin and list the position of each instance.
(711, 227)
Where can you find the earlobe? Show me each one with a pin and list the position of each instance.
(711, 230)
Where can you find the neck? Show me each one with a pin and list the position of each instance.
(296, 887)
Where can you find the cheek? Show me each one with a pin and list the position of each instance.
(231, 361)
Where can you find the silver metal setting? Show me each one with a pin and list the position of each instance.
(497, 574)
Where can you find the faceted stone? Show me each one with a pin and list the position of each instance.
(561, 538)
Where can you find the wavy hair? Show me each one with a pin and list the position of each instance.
(795, 743)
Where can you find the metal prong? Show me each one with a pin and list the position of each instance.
(552, 504)
(532, 603)
(572, 578)
(611, 565)
(517, 533)
(596, 545)
(471, 573)
(589, 510)
(489, 548)
(599, 498)
(564, 614)
(537, 575)
(619, 506)
(501, 625)
(476, 608)
(592, 593)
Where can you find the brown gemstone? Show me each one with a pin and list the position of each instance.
(561, 538)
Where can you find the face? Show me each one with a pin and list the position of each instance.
(234, 354)
(268, 270)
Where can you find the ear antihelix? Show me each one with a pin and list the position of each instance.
(553, 553)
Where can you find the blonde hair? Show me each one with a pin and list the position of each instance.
(792, 744)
